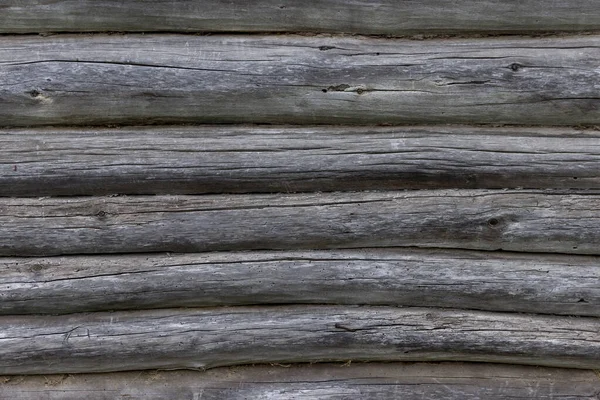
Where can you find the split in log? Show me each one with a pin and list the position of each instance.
(548, 284)
(389, 381)
(198, 160)
(518, 220)
(150, 79)
(388, 17)
(208, 338)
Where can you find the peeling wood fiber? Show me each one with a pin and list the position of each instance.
(213, 159)
(529, 221)
(380, 17)
(208, 338)
(545, 284)
(372, 381)
(151, 79)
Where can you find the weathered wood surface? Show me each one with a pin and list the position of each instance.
(517, 220)
(207, 338)
(194, 160)
(149, 79)
(414, 381)
(548, 284)
(388, 17)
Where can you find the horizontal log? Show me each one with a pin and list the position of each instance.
(546, 284)
(150, 79)
(201, 338)
(518, 220)
(388, 17)
(373, 381)
(194, 160)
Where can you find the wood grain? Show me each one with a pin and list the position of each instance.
(373, 381)
(512, 220)
(213, 159)
(151, 79)
(388, 17)
(545, 284)
(208, 338)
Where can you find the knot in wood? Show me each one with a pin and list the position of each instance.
(515, 67)
(493, 222)
(101, 214)
(37, 267)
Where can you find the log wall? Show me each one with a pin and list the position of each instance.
(267, 187)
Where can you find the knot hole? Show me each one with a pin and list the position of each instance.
(493, 222)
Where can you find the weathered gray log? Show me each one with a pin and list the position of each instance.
(208, 338)
(548, 284)
(389, 17)
(414, 381)
(518, 220)
(148, 79)
(194, 160)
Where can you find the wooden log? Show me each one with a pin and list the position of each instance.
(548, 284)
(208, 338)
(388, 17)
(518, 220)
(150, 79)
(194, 160)
(374, 381)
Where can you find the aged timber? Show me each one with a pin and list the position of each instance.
(513, 220)
(373, 381)
(388, 17)
(546, 284)
(212, 159)
(207, 338)
(150, 79)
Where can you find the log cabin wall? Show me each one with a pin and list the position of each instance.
(321, 199)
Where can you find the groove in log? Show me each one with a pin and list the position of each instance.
(194, 160)
(388, 17)
(547, 284)
(208, 338)
(517, 220)
(373, 381)
(150, 79)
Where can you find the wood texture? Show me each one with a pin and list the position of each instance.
(207, 338)
(373, 381)
(194, 160)
(518, 220)
(388, 17)
(403, 277)
(149, 79)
